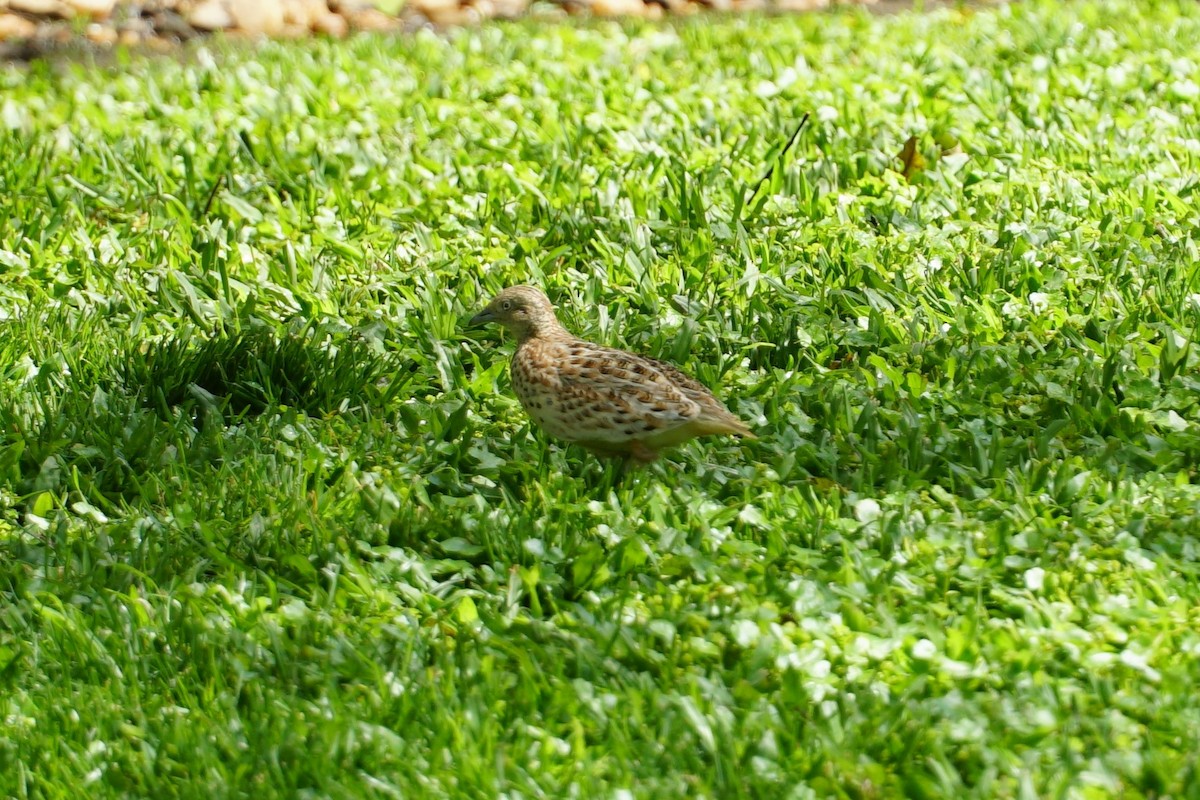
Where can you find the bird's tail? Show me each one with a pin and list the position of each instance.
(726, 424)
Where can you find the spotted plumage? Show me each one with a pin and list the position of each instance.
(610, 401)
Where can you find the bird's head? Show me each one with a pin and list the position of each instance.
(524, 310)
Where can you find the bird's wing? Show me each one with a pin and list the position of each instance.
(690, 386)
(711, 409)
(612, 395)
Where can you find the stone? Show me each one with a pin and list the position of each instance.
(159, 44)
(41, 8)
(434, 8)
(210, 15)
(552, 13)
(618, 8)
(510, 9)
(304, 13)
(97, 33)
(164, 23)
(258, 16)
(139, 25)
(96, 9)
(456, 17)
(331, 24)
(15, 27)
(369, 19)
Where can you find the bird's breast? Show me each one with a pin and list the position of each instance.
(536, 384)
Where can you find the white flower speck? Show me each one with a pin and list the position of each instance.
(924, 650)
(1034, 579)
(867, 510)
(745, 632)
(766, 89)
(1185, 89)
(1140, 662)
(294, 611)
(1134, 659)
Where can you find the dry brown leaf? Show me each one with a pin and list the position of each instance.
(846, 360)
(911, 160)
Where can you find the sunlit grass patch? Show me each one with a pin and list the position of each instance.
(272, 523)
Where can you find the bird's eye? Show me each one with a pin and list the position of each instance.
(506, 305)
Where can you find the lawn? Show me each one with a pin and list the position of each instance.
(273, 525)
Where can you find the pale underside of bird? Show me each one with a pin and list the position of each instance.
(612, 402)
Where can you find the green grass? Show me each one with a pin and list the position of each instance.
(273, 525)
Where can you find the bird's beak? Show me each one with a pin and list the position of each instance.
(481, 318)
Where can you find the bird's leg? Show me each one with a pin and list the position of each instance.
(611, 473)
(639, 454)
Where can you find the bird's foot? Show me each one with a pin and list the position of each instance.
(639, 454)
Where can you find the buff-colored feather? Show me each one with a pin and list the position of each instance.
(610, 401)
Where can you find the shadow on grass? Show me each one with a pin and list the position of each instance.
(113, 419)
(109, 426)
(249, 372)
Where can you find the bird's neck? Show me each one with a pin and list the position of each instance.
(544, 331)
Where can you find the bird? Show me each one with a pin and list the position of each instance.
(612, 402)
